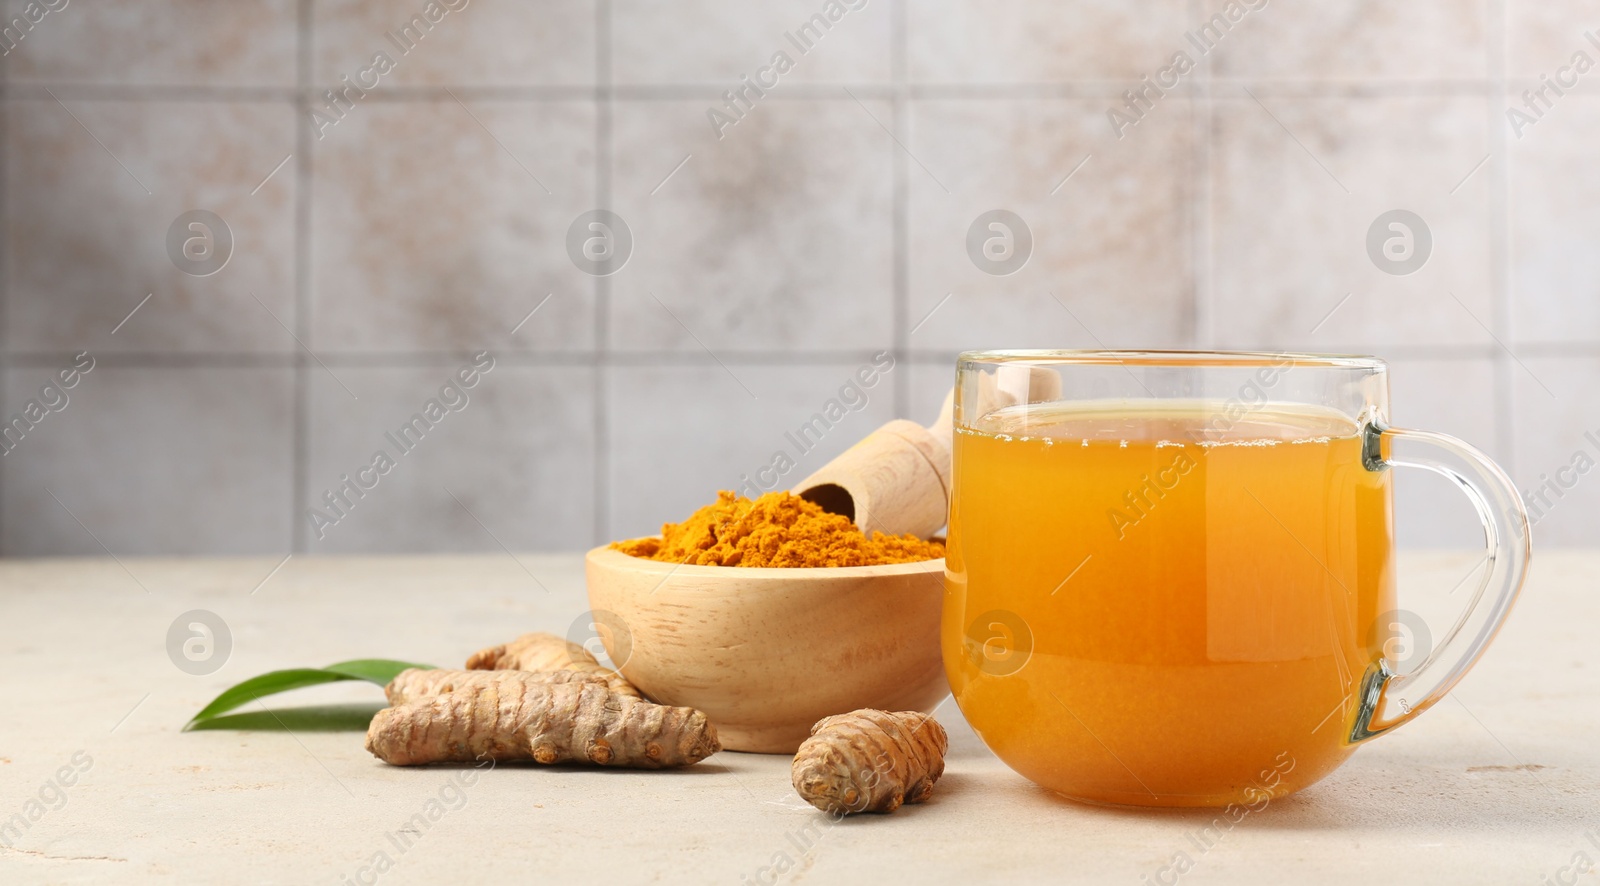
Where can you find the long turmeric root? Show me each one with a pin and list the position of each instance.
(417, 683)
(869, 761)
(521, 719)
(546, 652)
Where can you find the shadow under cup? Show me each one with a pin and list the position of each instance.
(1170, 576)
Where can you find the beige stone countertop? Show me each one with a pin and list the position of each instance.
(1501, 785)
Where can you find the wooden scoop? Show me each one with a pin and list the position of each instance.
(896, 480)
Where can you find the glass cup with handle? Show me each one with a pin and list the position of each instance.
(1170, 575)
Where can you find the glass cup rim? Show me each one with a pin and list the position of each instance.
(1177, 358)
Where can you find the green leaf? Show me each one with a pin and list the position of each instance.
(373, 670)
(352, 717)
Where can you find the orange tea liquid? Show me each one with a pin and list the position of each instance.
(1149, 604)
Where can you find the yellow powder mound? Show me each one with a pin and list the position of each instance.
(777, 529)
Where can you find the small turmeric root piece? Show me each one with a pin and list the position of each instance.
(413, 684)
(533, 652)
(546, 652)
(522, 719)
(869, 761)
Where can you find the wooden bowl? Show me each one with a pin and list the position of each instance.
(766, 653)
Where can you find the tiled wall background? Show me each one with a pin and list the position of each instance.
(372, 257)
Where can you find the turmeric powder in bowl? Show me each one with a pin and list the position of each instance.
(778, 529)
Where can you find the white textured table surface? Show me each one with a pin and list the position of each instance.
(1500, 788)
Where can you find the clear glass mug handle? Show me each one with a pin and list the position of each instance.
(1386, 698)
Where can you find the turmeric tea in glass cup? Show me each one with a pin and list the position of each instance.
(1170, 576)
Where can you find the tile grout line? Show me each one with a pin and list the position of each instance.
(601, 479)
(1500, 237)
(5, 272)
(300, 432)
(1202, 282)
(823, 90)
(666, 358)
(899, 274)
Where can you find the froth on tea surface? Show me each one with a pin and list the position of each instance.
(1154, 570)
